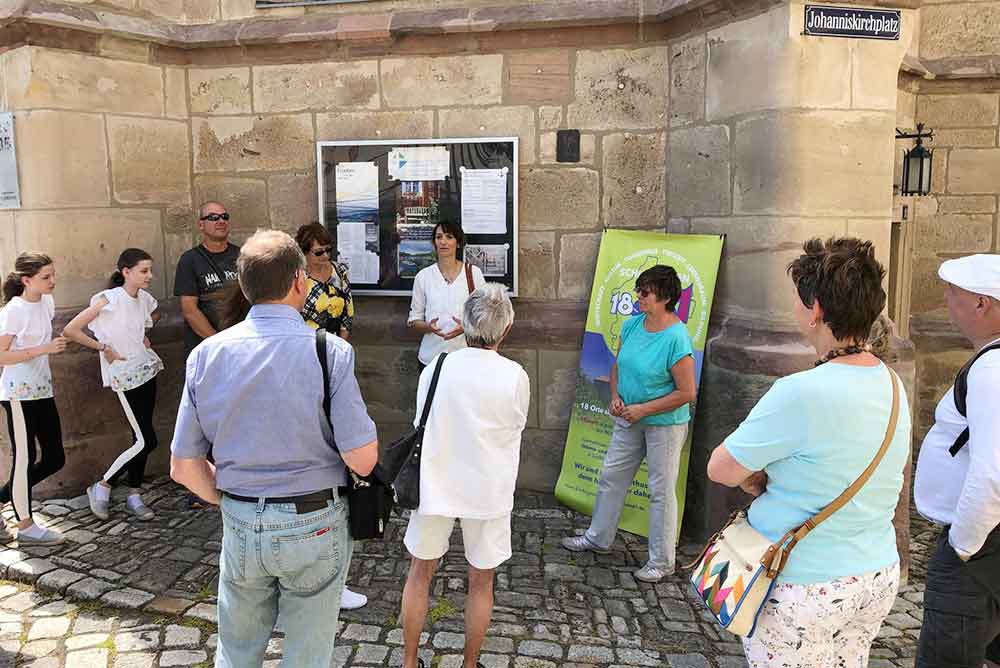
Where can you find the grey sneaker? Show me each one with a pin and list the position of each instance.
(140, 510)
(97, 506)
(48, 537)
(651, 573)
(581, 544)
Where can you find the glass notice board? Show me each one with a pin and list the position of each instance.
(381, 200)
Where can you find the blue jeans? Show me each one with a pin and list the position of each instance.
(275, 560)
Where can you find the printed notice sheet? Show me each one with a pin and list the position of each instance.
(10, 193)
(352, 251)
(484, 201)
(357, 192)
(419, 163)
(490, 258)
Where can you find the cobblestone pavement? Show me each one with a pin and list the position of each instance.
(130, 594)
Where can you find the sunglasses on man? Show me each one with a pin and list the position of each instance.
(215, 217)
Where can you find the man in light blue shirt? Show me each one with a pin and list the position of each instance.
(254, 394)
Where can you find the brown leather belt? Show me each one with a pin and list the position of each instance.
(304, 503)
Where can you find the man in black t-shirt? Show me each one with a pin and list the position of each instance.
(204, 273)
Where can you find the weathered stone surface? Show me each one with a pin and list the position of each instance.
(123, 49)
(965, 137)
(67, 163)
(559, 198)
(557, 387)
(547, 148)
(441, 82)
(58, 580)
(973, 170)
(942, 111)
(952, 30)
(374, 125)
(55, 79)
(577, 260)
(129, 598)
(253, 143)
(967, 204)
(698, 168)
(775, 174)
(752, 280)
(687, 80)
(388, 377)
(528, 359)
(150, 160)
(620, 89)
(634, 180)
(175, 92)
(539, 77)
(492, 122)
(77, 241)
(29, 570)
(550, 118)
(89, 589)
(245, 199)
(906, 110)
(878, 231)
(536, 264)
(956, 233)
(220, 90)
(174, 245)
(292, 201)
(875, 68)
(342, 85)
(783, 74)
(183, 11)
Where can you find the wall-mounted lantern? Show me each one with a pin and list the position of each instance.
(917, 163)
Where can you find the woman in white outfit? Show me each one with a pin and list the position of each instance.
(26, 389)
(119, 318)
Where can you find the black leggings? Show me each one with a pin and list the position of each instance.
(28, 422)
(138, 405)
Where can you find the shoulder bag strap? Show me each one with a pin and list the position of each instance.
(430, 392)
(321, 353)
(208, 258)
(468, 278)
(795, 535)
(959, 392)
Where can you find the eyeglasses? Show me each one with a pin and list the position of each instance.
(642, 292)
(215, 217)
(320, 252)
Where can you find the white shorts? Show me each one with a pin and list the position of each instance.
(487, 542)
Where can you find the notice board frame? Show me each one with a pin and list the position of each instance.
(364, 146)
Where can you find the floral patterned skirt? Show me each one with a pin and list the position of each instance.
(825, 625)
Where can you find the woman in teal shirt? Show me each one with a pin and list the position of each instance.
(807, 439)
(652, 383)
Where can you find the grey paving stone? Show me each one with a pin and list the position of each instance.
(208, 612)
(135, 641)
(370, 653)
(181, 636)
(29, 570)
(361, 632)
(86, 640)
(182, 657)
(687, 661)
(638, 657)
(591, 654)
(538, 648)
(89, 589)
(731, 661)
(58, 580)
(128, 598)
(135, 660)
(88, 658)
(49, 627)
(447, 640)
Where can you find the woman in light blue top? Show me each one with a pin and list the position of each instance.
(810, 436)
(652, 383)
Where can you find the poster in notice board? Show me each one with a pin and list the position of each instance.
(381, 199)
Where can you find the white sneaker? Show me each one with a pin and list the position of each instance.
(651, 573)
(352, 600)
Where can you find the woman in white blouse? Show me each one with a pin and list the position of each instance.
(439, 293)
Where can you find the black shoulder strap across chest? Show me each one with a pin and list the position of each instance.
(959, 394)
(321, 353)
(211, 263)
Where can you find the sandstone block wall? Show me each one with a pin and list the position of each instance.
(960, 217)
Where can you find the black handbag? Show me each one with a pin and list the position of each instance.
(401, 460)
(369, 499)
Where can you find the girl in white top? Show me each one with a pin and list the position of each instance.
(119, 318)
(439, 293)
(26, 389)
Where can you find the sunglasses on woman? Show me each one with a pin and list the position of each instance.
(215, 217)
(320, 252)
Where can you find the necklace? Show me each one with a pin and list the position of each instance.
(842, 352)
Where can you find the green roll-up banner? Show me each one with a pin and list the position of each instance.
(622, 257)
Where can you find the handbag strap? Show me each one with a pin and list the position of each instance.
(780, 549)
(430, 392)
(468, 278)
(215, 267)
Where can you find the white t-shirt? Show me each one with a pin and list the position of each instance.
(964, 491)
(122, 324)
(30, 323)
(434, 297)
(472, 443)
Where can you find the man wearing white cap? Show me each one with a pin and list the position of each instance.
(958, 482)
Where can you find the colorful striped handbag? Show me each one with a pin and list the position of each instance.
(735, 572)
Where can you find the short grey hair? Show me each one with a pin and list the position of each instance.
(268, 264)
(487, 315)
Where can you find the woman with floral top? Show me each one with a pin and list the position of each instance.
(26, 389)
(119, 318)
(329, 304)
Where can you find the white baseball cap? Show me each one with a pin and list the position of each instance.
(975, 273)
